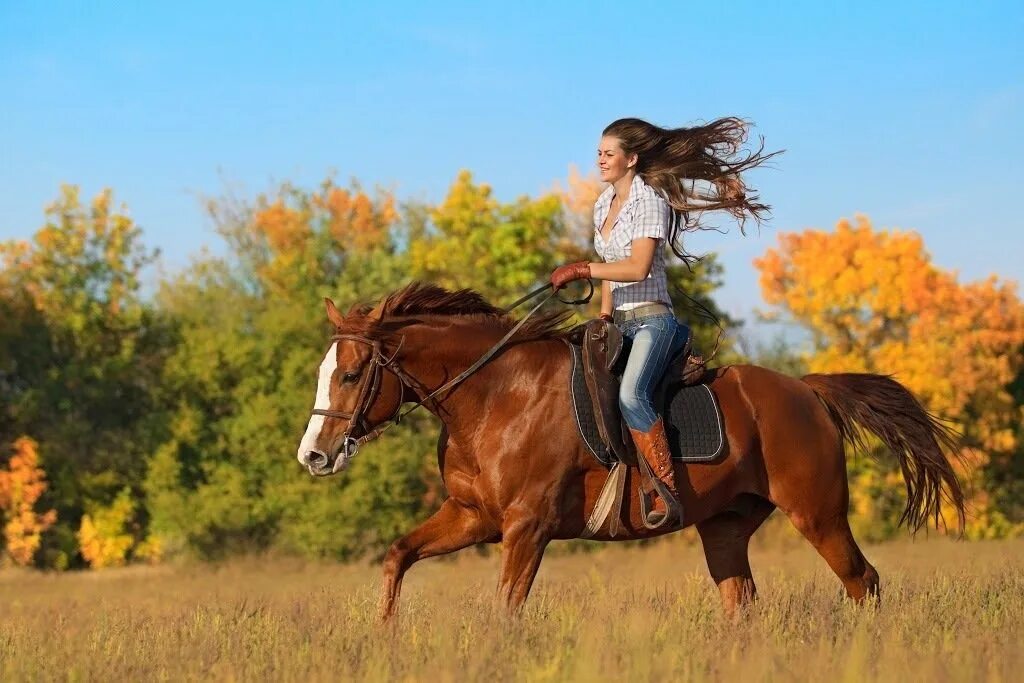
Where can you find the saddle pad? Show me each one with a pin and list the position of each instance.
(693, 422)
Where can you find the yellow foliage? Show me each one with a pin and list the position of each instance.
(103, 537)
(284, 227)
(499, 249)
(151, 550)
(21, 485)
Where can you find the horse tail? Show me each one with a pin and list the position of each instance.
(887, 409)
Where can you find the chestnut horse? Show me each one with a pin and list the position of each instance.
(516, 470)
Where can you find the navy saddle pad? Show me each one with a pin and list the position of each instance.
(693, 422)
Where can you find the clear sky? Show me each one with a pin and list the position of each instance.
(910, 112)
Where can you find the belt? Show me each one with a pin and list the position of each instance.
(645, 311)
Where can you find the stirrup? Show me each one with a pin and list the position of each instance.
(673, 509)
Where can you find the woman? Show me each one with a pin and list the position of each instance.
(651, 173)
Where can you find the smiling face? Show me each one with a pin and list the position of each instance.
(612, 162)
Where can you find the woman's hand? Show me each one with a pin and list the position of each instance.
(563, 275)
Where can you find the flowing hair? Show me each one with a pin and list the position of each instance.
(713, 152)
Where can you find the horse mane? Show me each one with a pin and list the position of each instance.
(423, 298)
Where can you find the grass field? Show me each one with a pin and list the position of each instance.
(950, 612)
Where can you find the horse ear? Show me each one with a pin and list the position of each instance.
(377, 313)
(332, 313)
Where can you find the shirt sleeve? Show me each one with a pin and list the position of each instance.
(652, 217)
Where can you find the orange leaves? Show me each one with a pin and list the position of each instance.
(850, 282)
(351, 217)
(292, 238)
(355, 218)
(21, 485)
(874, 302)
(284, 228)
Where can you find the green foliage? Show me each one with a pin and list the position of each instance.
(251, 334)
(80, 355)
(692, 288)
(472, 240)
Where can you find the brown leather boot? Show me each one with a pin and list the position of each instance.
(653, 445)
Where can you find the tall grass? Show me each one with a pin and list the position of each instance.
(949, 612)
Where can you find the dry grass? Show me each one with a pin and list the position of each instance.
(950, 612)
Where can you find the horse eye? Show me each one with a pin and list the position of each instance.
(350, 377)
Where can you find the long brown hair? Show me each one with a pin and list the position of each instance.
(713, 152)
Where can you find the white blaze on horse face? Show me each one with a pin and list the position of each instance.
(323, 402)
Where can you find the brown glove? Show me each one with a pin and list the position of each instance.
(563, 275)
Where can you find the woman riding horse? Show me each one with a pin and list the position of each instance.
(650, 171)
(510, 454)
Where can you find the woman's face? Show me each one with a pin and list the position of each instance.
(612, 162)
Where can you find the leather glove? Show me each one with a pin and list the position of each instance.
(563, 275)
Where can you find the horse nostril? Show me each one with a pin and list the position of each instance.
(316, 459)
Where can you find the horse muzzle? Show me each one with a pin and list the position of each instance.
(320, 464)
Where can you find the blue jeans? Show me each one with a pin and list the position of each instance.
(654, 340)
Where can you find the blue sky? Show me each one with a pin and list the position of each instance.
(908, 112)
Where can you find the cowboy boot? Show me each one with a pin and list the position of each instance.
(653, 445)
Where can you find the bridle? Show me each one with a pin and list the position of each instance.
(379, 362)
(368, 394)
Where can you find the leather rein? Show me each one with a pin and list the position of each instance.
(379, 362)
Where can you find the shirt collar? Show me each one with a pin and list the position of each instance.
(635, 189)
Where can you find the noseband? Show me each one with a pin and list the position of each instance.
(368, 393)
(379, 362)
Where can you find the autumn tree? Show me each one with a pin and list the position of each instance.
(252, 331)
(105, 536)
(80, 354)
(874, 302)
(22, 484)
(500, 249)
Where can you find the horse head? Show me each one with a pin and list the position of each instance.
(358, 388)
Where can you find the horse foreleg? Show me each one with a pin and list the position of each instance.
(453, 527)
(522, 546)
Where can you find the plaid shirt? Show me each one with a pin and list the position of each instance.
(645, 214)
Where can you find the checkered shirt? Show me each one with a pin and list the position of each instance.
(645, 214)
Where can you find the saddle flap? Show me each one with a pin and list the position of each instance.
(602, 344)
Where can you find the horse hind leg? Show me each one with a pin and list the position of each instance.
(726, 539)
(825, 525)
(832, 538)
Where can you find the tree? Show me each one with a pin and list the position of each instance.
(104, 535)
(874, 302)
(21, 486)
(81, 356)
(252, 332)
(473, 240)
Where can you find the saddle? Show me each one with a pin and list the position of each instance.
(602, 371)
